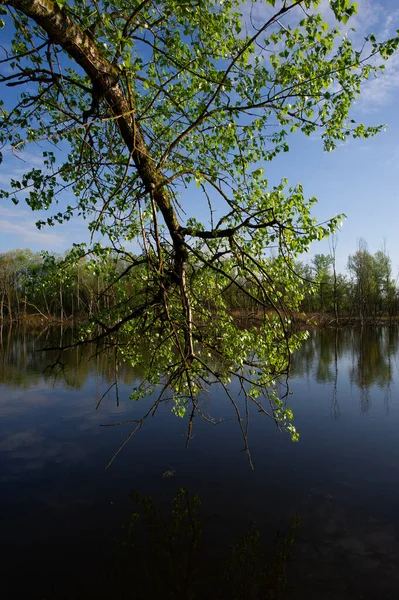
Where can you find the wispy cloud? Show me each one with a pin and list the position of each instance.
(372, 16)
(18, 230)
(16, 164)
(380, 91)
(26, 159)
(18, 223)
(14, 173)
(27, 233)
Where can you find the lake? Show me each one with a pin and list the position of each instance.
(325, 509)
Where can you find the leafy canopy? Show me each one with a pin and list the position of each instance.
(152, 116)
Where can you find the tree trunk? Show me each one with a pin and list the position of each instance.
(78, 291)
(9, 298)
(61, 304)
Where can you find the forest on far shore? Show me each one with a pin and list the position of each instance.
(55, 287)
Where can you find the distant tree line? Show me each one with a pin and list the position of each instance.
(75, 286)
(61, 287)
(368, 290)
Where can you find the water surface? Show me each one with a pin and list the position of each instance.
(61, 512)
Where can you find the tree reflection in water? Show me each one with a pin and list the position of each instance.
(371, 350)
(341, 478)
(168, 554)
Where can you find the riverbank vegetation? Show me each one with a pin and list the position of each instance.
(50, 287)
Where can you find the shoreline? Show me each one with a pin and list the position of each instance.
(249, 319)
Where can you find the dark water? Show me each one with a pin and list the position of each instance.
(62, 514)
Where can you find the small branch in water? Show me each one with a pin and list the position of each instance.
(104, 394)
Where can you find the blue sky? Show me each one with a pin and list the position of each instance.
(360, 178)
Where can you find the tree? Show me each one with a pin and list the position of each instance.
(322, 268)
(385, 284)
(361, 266)
(15, 267)
(374, 289)
(333, 251)
(155, 107)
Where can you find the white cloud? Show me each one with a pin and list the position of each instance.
(372, 16)
(16, 164)
(18, 229)
(26, 158)
(16, 173)
(10, 212)
(380, 90)
(31, 159)
(391, 24)
(29, 234)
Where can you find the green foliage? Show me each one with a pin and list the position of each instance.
(369, 290)
(374, 290)
(147, 109)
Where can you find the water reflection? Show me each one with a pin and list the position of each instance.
(24, 362)
(335, 412)
(363, 356)
(342, 477)
(372, 362)
(175, 539)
